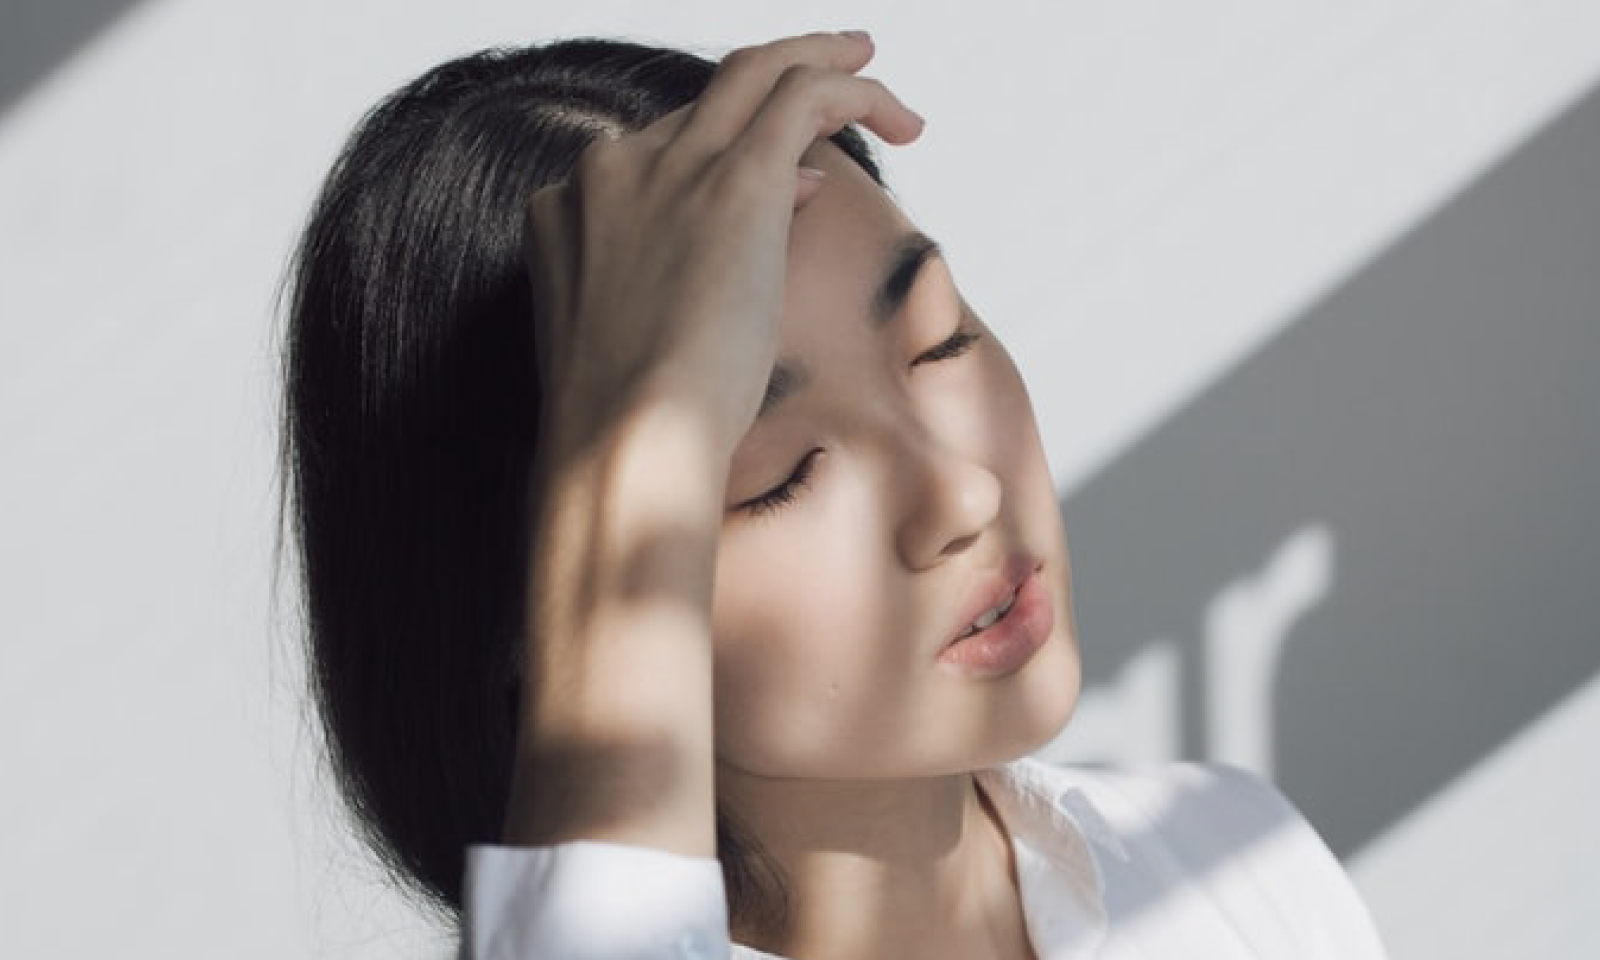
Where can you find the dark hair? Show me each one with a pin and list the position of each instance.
(410, 413)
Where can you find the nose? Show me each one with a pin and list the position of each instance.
(948, 499)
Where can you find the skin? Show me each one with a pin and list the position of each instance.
(690, 640)
(843, 743)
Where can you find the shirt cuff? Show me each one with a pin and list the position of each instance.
(591, 900)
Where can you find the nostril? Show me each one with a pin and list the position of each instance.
(958, 545)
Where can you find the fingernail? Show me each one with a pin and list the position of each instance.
(856, 34)
(812, 173)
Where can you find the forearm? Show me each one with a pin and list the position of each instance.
(658, 278)
(616, 735)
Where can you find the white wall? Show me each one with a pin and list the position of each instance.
(1141, 196)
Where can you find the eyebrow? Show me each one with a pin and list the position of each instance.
(785, 380)
(910, 254)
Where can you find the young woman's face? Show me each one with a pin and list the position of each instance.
(891, 496)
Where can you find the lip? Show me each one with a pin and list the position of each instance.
(1006, 645)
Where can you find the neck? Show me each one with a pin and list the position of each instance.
(883, 869)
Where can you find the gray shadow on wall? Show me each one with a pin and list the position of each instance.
(1439, 413)
(36, 36)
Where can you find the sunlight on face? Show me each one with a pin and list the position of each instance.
(892, 492)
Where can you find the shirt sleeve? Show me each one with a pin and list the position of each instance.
(590, 900)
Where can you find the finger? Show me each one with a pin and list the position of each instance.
(746, 76)
(806, 105)
(663, 129)
(808, 181)
(544, 222)
(547, 239)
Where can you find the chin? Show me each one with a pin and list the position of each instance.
(1038, 703)
(1049, 693)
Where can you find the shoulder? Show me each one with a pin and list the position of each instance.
(1228, 836)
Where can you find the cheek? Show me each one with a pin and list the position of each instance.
(806, 622)
(1007, 410)
(1015, 442)
(980, 410)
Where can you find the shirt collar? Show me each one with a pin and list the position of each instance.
(1060, 840)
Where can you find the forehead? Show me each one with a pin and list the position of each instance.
(840, 244)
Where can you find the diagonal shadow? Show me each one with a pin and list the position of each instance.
(37, 36)
(1439, 413)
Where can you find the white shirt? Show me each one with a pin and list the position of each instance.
(1182, 860)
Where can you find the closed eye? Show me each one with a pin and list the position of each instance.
(784, 493)
(958, 343)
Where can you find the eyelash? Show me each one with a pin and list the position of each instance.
(786, 492)
(959, 343)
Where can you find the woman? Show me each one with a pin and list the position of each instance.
(676, 535)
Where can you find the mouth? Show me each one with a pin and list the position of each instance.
(989, 617)
(1013, 619)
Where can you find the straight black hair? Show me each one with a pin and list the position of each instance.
(409, 422)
